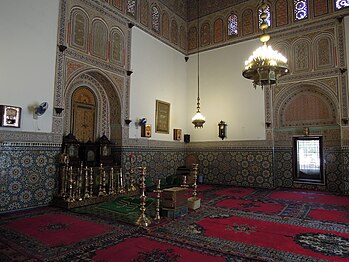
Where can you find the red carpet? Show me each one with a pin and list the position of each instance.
(232, 224)
(57, 229)
(313, 197)
(329, 215)
(236, 191)
(144, 249)
(255, 206)
(284, 237)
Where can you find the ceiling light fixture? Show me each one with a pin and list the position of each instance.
(198, 119)
(265, 66)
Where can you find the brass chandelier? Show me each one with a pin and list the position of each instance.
(198, 119)
(265, 66)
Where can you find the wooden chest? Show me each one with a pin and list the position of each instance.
(174, 197)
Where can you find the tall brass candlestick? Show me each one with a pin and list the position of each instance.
(86, 194)
(111, 182)
(63, 181)
(158, 192)
(142, 220)
(195, 186)
(121, 185)
(100, 189)
(71, 181)
(91, 182)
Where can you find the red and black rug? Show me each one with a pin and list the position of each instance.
(233, 224)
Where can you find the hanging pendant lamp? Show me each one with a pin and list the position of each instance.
(198, 119)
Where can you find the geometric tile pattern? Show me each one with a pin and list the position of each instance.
(28, 175)
(236, 166)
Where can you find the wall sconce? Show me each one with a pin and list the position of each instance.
(129, 72)
(58, 110)
(222, 129)
(128, 121)
(62, 48)
(345, 121)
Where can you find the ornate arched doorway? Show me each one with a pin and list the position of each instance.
(84, 111)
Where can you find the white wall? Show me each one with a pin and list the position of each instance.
(226, 95)
(28, 31)
(159, 72)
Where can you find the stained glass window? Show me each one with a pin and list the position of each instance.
(155, 19)
(267, 10)
(131, 7)
(340, 4)
(300, 9)
(232, 25)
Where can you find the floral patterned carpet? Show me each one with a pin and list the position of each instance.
(232, 224)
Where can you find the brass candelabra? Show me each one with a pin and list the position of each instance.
(142, 220)
(158, 192)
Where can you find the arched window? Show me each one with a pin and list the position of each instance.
(232, 25)
(131, 8)
(300, 9)
(340, 4)
(267, 10)
(155, 19)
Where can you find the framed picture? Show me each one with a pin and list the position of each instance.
(10, 116)
(177, 134)
(162, 117)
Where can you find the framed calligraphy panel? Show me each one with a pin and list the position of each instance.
(162, 117)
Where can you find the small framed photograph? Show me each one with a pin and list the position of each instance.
(162, 117)
(10, 116)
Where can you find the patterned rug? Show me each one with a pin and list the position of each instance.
(232, 224)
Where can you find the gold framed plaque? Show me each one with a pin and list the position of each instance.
(162, 117)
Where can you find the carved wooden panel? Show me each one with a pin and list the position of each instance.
(218, 30)
(144, 12)
(117, 47)
(205, 34)
(301, 55)
(183, 38)
(79, 31)
(84, 114)
(320, 7)
(165, 26)
(192, 38)
(247, 22)
(99, 39)
(281, 12)
(174, 32)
